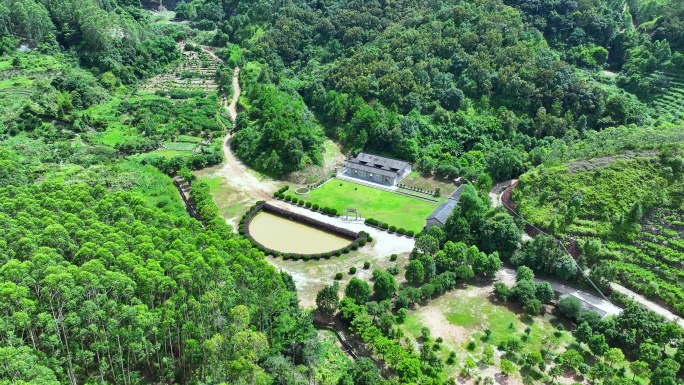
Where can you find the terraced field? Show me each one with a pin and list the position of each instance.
(195, 71)
(670, 103)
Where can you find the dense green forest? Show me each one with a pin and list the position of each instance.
(105, 278)
(458, 87)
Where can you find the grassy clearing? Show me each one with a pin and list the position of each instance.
(180, 146)
(414, 179)
(462, 315)
(116, 134)
(231, 202)
(394, 209)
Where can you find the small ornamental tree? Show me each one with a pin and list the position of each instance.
(385, 286)
(415, 273)
(507, 368)
(327, 300)
(358, 290)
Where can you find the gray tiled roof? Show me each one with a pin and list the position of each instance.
(373, 170)
(379, 161)
(456, 195)
(442, 212)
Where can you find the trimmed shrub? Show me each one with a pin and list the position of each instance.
(393, 228)
(346, 250)
(338, 276)
(366, 265)
(300, 203)
(328, 255)
(244, 216)
(354, 246)
(410, 233)
(286, 256)
(295, 257)
(338, 253)
(369, 238)
(277, 254)
(288, 198)
(306, 257)
(401, 230)
(307, 204)
(385, 226)
(394, 270)
(317, 257)
(295, 199)
(393, 257)
(315, 206)
(362, 241)
(352, 270)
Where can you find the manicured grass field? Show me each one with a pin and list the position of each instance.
(394, 209)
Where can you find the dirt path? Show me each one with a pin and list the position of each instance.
(232, 107)
(236, 94)
(237, 174)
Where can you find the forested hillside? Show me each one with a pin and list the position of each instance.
(625, 205)
(106, 278)
(96, 286)
(456, 86)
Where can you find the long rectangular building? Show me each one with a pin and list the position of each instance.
(377, 169)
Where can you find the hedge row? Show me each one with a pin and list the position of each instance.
(392, 229)
(416, 189)
(206, 208)
(319, 183)
(314, 206)
(281, 191)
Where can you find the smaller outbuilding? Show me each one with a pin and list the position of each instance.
(440, 215)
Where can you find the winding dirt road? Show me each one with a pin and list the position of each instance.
(232, 107)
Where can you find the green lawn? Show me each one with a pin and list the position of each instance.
(394, 209)
(474, 313)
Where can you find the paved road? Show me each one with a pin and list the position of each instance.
(599, 303)
(507, 276)
(497, 191)
(668, 315)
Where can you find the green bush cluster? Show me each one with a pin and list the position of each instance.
(339, 276)
(281, 192)
(352, 270)
(416, 189)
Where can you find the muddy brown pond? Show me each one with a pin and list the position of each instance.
(286, 236)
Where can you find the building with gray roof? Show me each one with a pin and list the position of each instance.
(440, 215)
(376, 169)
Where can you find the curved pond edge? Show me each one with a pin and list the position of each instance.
(356, 239)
